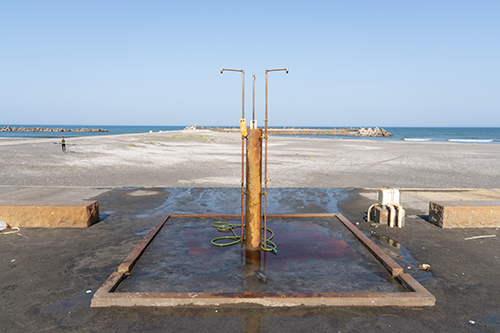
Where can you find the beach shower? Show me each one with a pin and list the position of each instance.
(181, 269)
(251, 176)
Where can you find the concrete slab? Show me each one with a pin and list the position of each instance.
(465, 214)
(49, 214)
(43, 292)
(76, 193)
(415, 294)
(416, 200)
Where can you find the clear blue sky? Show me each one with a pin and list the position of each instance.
(352, 63)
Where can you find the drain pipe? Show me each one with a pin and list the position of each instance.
(400, 215)
(369, 211)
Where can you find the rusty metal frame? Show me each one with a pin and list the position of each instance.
(416, 294)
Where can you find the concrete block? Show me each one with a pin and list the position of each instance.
(381, 215)
(49, 214)
(403, 220)
(465, 214)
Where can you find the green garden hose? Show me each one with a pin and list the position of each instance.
(235, 239)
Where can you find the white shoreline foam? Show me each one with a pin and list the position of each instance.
(415, 139)
(468, 140)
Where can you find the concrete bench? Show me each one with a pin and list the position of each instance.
(49, 214)
(465, 214)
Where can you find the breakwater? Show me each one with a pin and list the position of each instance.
(351, 131)
(59, 129)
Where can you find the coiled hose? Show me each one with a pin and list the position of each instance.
(235, 239)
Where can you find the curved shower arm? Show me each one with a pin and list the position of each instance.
(242, 87)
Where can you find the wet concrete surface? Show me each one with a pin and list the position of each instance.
(402, 256)
(314, 255)
(45, 273)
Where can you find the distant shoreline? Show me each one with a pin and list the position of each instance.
(48, 129)
(361, 131)
(456, 135)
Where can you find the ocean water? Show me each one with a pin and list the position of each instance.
(112, 130)
(471, 135)
(446, 134)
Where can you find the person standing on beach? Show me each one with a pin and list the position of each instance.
(63, 144)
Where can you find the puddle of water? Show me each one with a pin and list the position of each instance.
(228, 200)
(304, 200)
(142, 233)
(104, 215)
(297, 242)
(314, 255)
(143, 193)
(402, 256)
(491, 320)
(70, 304)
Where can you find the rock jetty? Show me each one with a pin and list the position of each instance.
(41, 129)
(361, 131)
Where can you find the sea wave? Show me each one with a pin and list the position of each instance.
(469, 140)
(416, 139)
(14, 138)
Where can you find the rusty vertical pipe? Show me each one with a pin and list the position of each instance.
(252, 261)
(253, 101)
(242, 142)
(265, 174)
(242, 94)
(254, 188)
(265, 159)
(242, 187)
(242, 153)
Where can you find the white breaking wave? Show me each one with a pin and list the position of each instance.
(412, 139)
(468, 140)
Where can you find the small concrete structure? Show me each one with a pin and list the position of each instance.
(49, 214)
(380, 215)
(465, 214)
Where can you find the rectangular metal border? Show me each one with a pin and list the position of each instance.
(416, 295)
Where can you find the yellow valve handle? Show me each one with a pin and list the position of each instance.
(243, 127)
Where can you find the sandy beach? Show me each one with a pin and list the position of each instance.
(203, 158)
(48, 276)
